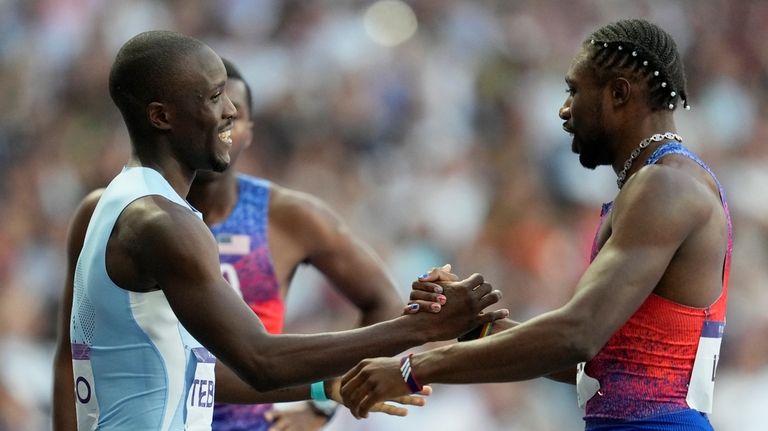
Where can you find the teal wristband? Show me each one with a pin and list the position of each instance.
(317, 391)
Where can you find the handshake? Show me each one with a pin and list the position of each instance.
(443, 308)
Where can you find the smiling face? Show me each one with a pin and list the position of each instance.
(242, 130)
(583, 113)
(200, 113)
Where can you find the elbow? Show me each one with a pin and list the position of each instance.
(583, 340)
(264, 384)
(254, 369)
(259, 375)
(583, 350)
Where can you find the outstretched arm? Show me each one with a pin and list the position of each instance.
(183, 260)
(63, 380)
(624, 273)
(425, 291)
(231, 389)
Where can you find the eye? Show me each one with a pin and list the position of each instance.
(570, 90)
(216, 97)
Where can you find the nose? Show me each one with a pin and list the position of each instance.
(565, 112)
(229, 108)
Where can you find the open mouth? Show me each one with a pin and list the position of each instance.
(226, 136)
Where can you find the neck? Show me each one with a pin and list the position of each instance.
(660, 122)
(215, 197)
(178, 176)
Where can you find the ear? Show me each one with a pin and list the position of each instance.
(621, 90)
(158, 116)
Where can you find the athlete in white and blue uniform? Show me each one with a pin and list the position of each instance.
(135, 365)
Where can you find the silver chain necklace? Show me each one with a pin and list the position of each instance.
(636, 152)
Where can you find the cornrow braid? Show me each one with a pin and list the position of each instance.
(644, 50)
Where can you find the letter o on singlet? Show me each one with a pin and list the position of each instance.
(86, 387)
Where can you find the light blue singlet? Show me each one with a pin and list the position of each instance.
(135, 366)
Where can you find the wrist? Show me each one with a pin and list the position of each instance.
(414, 330)
(478, 332)
(318, 391)
(409, 376)
(421, 368)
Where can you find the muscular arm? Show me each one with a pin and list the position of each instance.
(327, 243)
(650, 223)
(180, 256)
(63, 389)
(567, 375)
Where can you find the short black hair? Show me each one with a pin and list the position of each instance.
(645, 50)
(234, 73)
(145, 68)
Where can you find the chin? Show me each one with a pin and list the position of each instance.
(587, 162)
(220, 166)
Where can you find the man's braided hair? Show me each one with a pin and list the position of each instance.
(645, 51)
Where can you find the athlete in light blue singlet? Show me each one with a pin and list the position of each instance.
(135, 366)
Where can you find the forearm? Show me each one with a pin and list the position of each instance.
(534, 349)
(567, 375)
(298, 359)
(231, 389)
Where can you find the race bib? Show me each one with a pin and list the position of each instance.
(586, 386)
(86, 407)
(201, 392)
(702, 385)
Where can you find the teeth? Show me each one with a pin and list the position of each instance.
(226, 136)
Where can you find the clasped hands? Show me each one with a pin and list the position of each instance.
(375, 380)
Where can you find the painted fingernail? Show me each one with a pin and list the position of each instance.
(425, 275)
(435, 307)
(438, 289)
(441, 299)
(413, 307)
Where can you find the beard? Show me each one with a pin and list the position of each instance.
(594, 155)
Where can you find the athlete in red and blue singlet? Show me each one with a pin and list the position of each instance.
(644, 324)
(646, 370)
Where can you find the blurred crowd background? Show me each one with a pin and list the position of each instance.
(429, 125)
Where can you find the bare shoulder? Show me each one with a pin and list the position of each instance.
(299, 209)
(80, 221)
(89, 202)
(157, 220)
(671, 191)
(86, 208)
